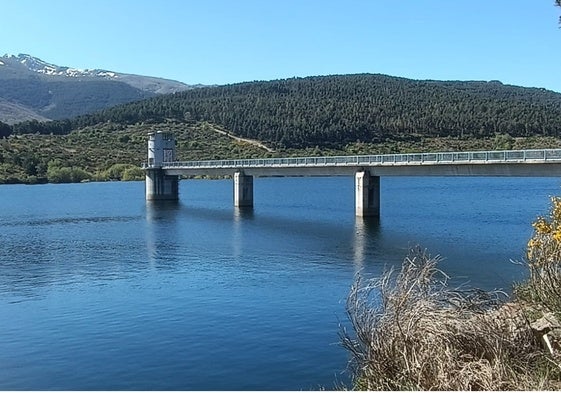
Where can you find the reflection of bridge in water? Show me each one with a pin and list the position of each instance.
(163, 171)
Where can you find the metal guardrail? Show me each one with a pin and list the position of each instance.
(474, 157)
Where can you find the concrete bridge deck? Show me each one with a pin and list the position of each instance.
(163, 171)
(544, 162)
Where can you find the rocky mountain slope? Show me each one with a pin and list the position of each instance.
(31, 88)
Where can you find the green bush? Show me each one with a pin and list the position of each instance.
(31, 180)
(133, 174)
(56, 174)
(116, 171)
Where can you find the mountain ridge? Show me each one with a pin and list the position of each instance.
(36, 89)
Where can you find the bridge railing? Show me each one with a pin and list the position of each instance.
(505, 156)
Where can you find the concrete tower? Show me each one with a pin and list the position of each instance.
(161, 149)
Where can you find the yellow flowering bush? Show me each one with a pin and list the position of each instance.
(543, 254)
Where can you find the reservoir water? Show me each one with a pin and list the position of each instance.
(101, 291)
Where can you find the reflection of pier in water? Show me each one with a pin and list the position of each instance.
(163, 171)
(366, 228)
(162, 217)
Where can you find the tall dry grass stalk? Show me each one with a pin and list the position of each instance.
(410, 331)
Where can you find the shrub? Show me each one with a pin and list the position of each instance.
(543, 258)
(31, 180)
(56, 174)
(133, 174)
(117, 172)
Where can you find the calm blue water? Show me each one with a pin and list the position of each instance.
(99, 290)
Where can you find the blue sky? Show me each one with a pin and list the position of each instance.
(228, 41)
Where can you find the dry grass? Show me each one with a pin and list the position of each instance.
(412, 332)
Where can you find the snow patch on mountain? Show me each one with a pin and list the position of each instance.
(30, 64)
(42, 67)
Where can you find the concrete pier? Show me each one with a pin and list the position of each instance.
(367, 194)
(160, 186)
(243, 190)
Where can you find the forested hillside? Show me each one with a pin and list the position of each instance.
(335, 110)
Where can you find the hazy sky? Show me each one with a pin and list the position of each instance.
(227, 41)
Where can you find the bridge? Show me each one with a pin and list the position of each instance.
(163, 170)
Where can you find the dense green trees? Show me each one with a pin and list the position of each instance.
(5, 130)
(57, 127)
(334, 110)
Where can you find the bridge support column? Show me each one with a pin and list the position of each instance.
(243, 190)
(160, 186)
(367, 195)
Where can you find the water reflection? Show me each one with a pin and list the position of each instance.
(365, 232)
(157, 210)
(159, 214)
(241, 214)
